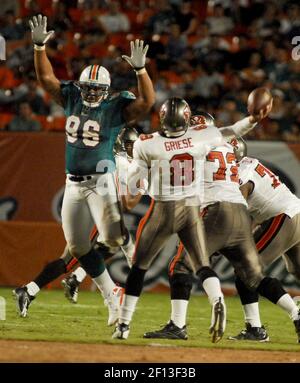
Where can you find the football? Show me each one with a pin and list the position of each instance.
(259, 99)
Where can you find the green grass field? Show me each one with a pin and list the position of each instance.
(53, 318)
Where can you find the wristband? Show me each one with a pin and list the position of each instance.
(39, 47)
(140, 71)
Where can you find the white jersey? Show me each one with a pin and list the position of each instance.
(221, 179)
(122, 166)
(175, 165)
(270, 197)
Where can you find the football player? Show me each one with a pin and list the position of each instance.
(275, 211)
(26, 294)
(123, 156)
(228, 230)
(173, 208)
(94, 120)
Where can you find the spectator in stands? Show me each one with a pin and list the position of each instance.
(176, 45)
(163, 17)
(218, 23)
(60, 20)
(205, 81)
(10, 5)
(186, 19)
(114, 20)
(24, 122)
(35, 98)
(11, 30)
(21, 58)
(254, 74)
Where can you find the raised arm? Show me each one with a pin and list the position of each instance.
(244, 126)
(146, 97)
(43, 67)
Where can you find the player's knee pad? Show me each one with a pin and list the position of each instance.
(181, 285)
(205, 272)
(271, 289)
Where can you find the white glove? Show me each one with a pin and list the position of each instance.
(138, 54)
(39, 32)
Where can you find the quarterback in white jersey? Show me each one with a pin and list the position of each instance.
(277, 211)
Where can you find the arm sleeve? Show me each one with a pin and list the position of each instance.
(239, 129)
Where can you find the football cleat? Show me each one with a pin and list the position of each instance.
(297, 327)
(258, 334)
(71, 284)
(169, 331)
(121, 331)
(218, 321)
(23, 300)
(113, 303)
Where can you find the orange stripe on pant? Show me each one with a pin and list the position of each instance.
(176, 258)
(270, 232)
(141, 227)
(93, 233)
(71, 264)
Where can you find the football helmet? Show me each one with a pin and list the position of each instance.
(94, 83)
(240, 148)
(174, 115)
(125, 141)
(202, 118)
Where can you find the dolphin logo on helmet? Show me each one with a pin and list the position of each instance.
(94, 83)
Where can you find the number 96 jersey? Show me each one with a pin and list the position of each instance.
(91, 132)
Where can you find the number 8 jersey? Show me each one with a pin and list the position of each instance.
(91, 131)
(270, 197)
(176, 164)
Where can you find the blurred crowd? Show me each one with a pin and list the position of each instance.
(212, 53)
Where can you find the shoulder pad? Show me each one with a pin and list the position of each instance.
(127, 94)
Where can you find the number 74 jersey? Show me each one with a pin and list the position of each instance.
(270, 197)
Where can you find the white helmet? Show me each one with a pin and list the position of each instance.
(94, 82)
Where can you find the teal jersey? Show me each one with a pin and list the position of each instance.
(91, 132)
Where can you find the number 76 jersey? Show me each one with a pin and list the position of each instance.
(175, 166)
(270, 197)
